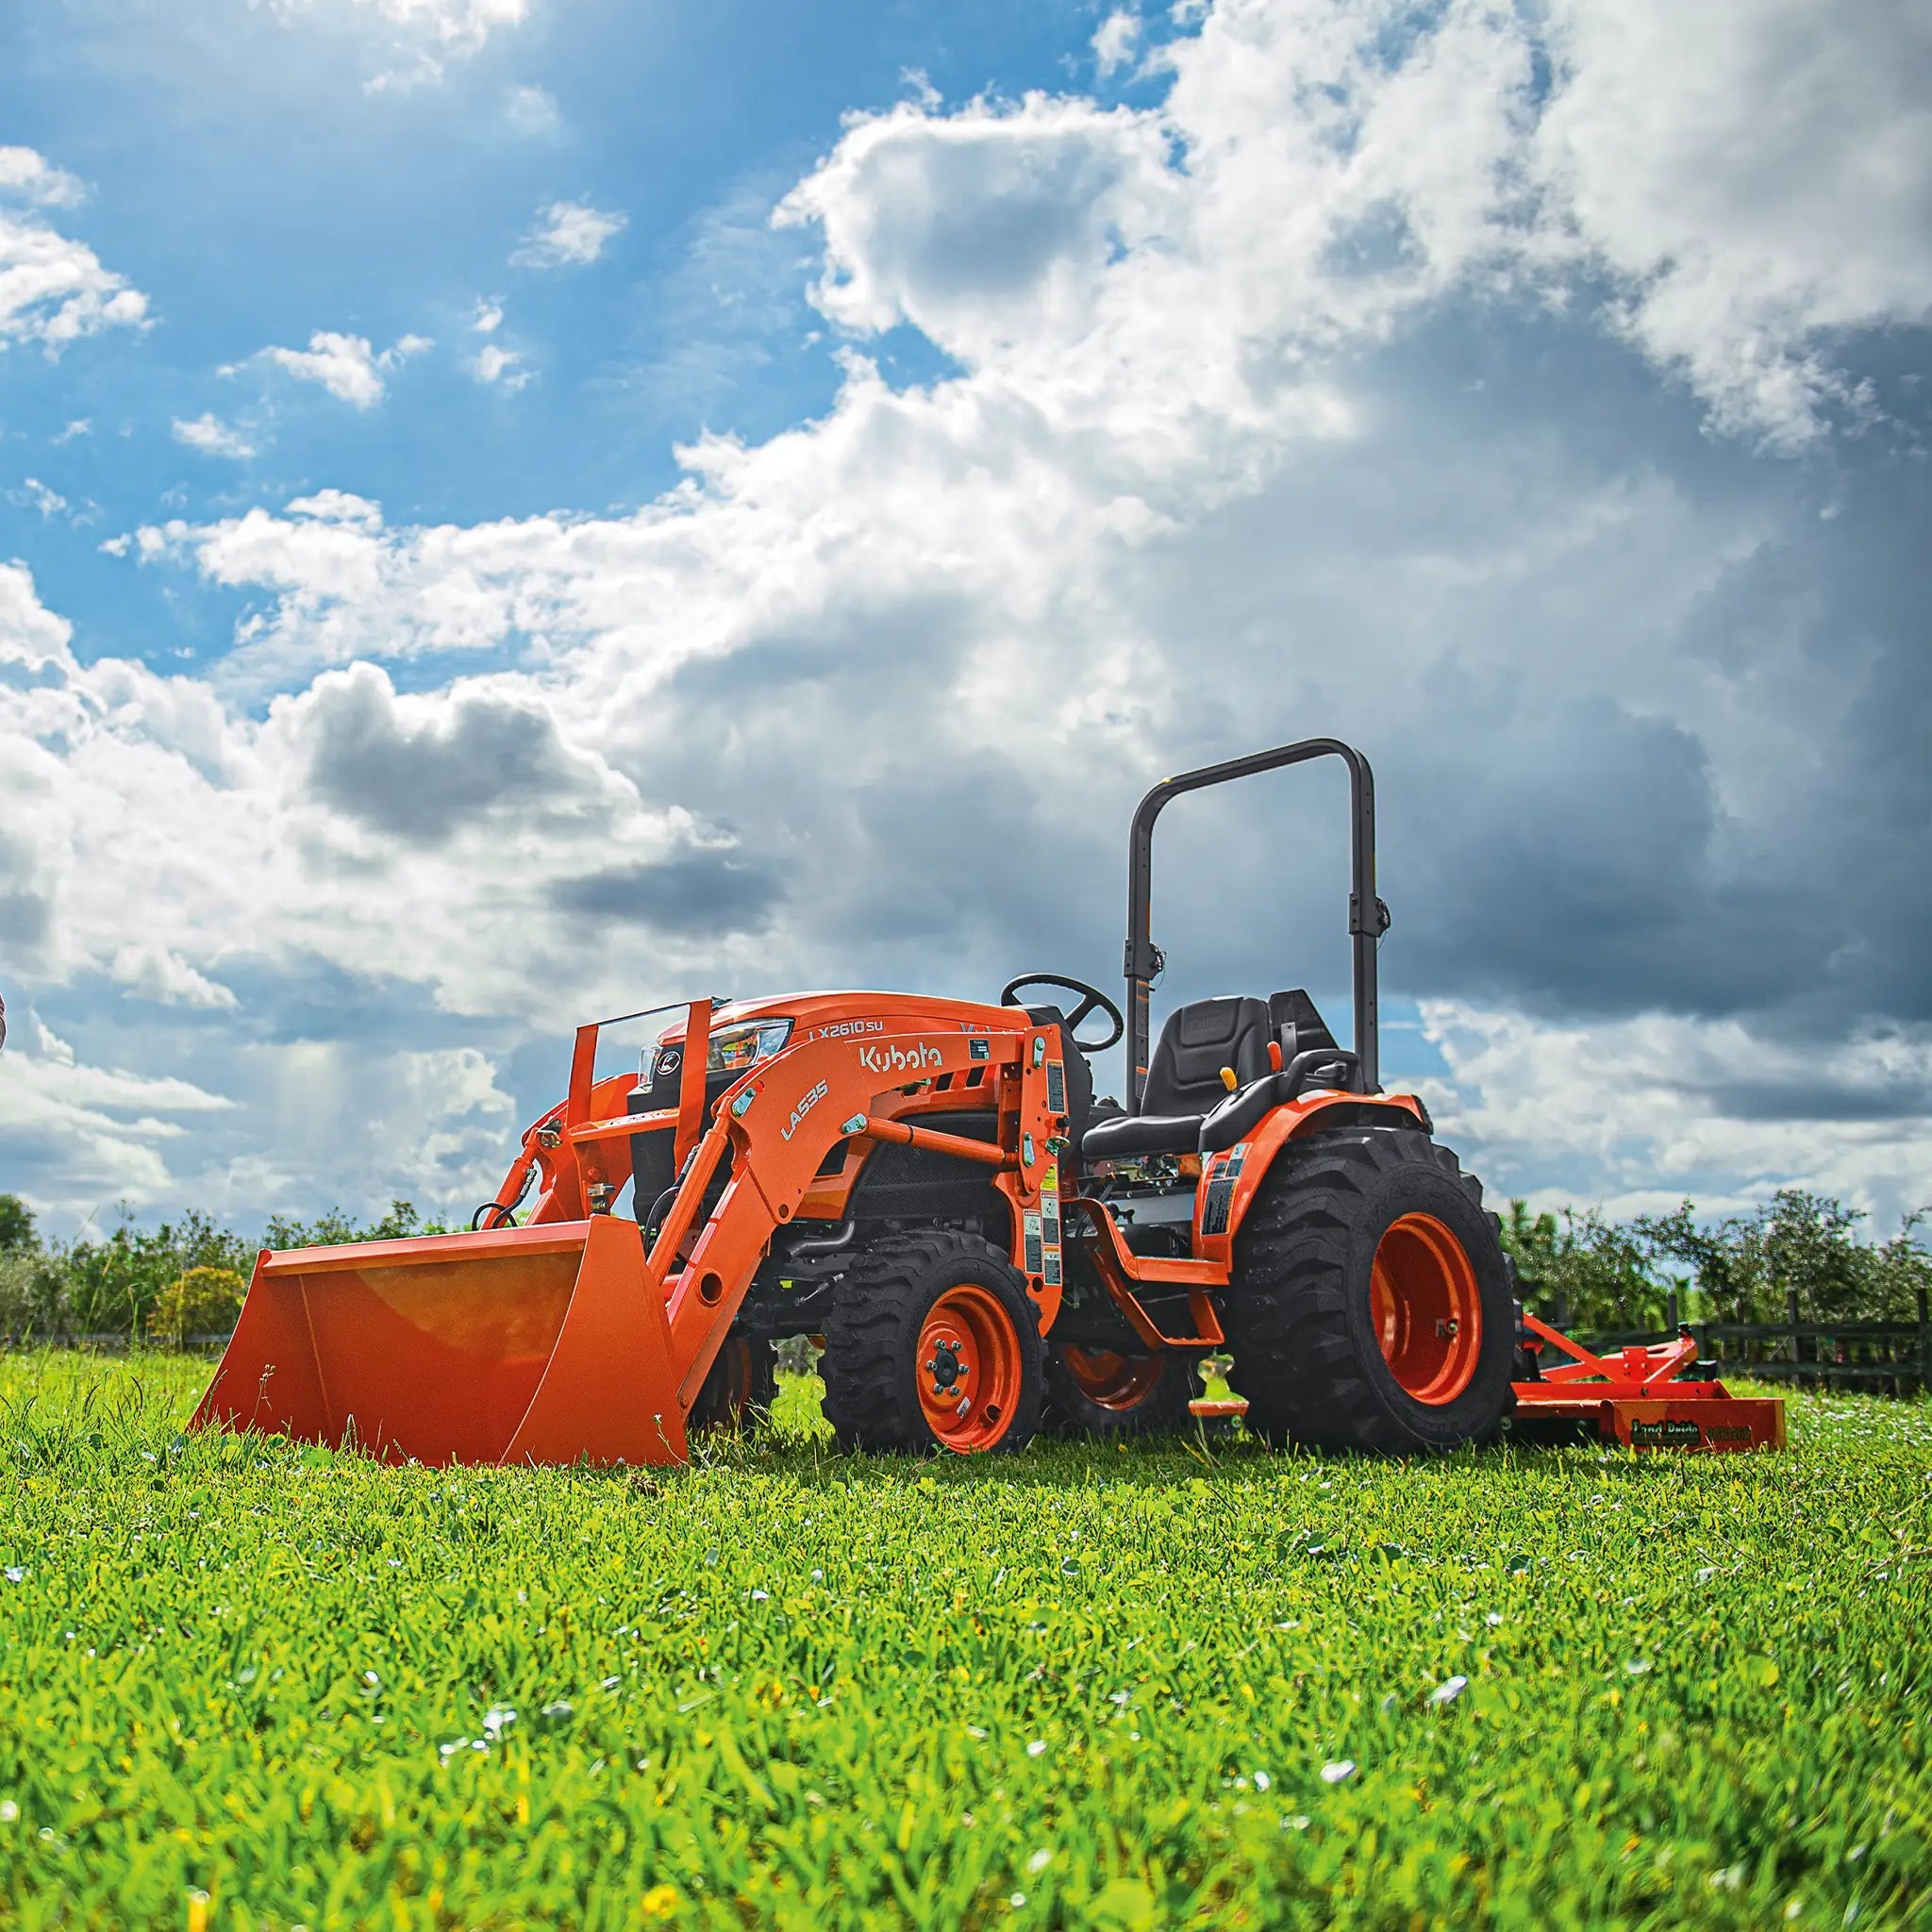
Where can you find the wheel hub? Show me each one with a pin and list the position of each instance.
(948, 1366)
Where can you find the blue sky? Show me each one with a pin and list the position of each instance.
(514, 508)
(241, 171)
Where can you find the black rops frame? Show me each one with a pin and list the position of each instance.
(1368, 918)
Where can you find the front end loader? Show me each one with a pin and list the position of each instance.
(982, 1249)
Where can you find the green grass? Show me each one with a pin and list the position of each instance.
(1075, 1687)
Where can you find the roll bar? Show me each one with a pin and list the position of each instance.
(1368, 918)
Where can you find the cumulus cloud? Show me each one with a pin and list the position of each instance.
(1114, 42)
(347, 366)
(1656, 1106)
(495, 363)
(569, 235)
(1755, 187)
(53, 290)
(31, 177)
(208, 434)
(1287, 405)
(158, 974)
(420, 771)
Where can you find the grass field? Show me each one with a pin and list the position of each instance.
(242, 1684)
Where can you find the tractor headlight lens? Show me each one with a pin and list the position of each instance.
(735, 1048)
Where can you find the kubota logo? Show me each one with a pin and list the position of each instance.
(810, 1100)
(895, 1059)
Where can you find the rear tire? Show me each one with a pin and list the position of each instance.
(1098, 1392)
(741, 1388)
(933, 1343)
(1360, 1271)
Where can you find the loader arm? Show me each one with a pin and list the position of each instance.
(562, 1340)
(784, 1117)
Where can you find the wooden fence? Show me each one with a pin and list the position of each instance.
(1880, 1358)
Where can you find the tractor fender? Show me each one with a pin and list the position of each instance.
(1230, 1179)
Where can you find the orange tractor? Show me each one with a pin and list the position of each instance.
(929, 1189)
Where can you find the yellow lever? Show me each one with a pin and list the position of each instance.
(1227, 1080)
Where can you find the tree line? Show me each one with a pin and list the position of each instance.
(182, 1277)
(1612, 1276)
(186, 1276)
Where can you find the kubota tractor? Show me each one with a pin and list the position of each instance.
(929, 1189)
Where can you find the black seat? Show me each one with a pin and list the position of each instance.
(1184, 1081)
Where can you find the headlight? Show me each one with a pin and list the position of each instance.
(735, 1048)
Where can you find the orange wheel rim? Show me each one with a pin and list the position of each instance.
(1428, 1311)
(1110, 1380)
(968, 1368)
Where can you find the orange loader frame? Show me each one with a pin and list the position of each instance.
(563, 1339)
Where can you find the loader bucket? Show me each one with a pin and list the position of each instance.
(520, 1344)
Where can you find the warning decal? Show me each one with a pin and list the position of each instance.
(1219, 1199)
(1044, 1230)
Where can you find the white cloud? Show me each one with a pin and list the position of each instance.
(109, 1130)
(53, 290)
(461, 25)
(423, 34)
(208, 434)
(569, 235)
(1115, 40)
(1757, 176)
(31, 636)
(1661, 1107)
(31, 177)
(500, 366)
(162, 975)
(38, 496)
(80, 426)
(346, 366)
(488, 316)
(532, 111)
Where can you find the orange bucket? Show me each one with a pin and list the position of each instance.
(520, 1344)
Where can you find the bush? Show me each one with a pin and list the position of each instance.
(16, 1225)
(1795, 1243)
(204, 1301)
(1597, 1272)
(113, 1284)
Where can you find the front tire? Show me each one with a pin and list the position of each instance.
(933, 1343)
(1099, 1393)
(1370, 1306)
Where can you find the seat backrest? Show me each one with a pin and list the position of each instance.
(1184, 1075)
(1295, 1024)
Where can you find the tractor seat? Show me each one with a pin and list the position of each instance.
(1184, 1082)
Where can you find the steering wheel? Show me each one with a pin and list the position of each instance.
(1092, 998)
